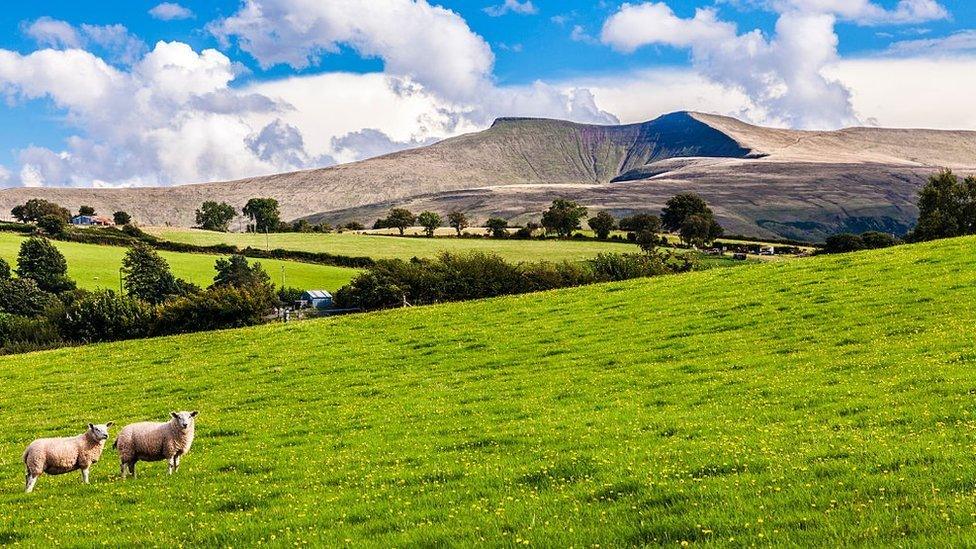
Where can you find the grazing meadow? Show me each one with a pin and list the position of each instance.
(821, 402)
(383, 246)
(96, 266)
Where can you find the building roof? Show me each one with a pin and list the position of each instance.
(317, 294)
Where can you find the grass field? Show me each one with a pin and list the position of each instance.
(377, 246)
(822, 402)
(94, 266)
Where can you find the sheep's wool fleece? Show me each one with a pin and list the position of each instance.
(151, 441)
(55, 456)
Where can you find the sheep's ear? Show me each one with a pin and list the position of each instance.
(109, 424)
(194, 413)
(91, 426)
(174, 414)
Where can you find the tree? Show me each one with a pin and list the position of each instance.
(602, 224)
(147, 275)
(264, 214)
(874, 240)
(121, 218)
(354, 226)
(497, 227)
(458, 221)
(215, 216)
(4, 269)
(641, 222)
(236, 272)
(682, 206)
(843, 243)
(52, 224)
(648, 241)
(946, 207)
(86, 210)
(429, 221)
(700, 230)
(40, 261)
(302, 226)
(36, 208)
(563, 217)
(400, 219)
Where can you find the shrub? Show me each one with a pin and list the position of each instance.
(497, 227)
(45, 264)
(843, 243)
(615, 267)
(874, 240)
(4, 269)
(19, 334)
(354, 226)
(106, 316)
(288, 296)
(217, 308)
(22, 296)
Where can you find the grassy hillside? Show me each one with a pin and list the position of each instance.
(379, 247)
(95, 266)
(819, 402)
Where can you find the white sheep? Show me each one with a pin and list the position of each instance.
(151, 441)
(56, 456)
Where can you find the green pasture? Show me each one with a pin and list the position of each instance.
(823, 402)
(95, 266)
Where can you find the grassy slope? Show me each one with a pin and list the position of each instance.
(819, 402)
(405, 248)
(95, 266)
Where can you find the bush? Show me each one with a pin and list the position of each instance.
(147, 275)
(843, 243)
(19, 334)
(121, 218)
(215, 309)
(288, 296)
(106, 316)
(874, 240)
(23, 297)
(235, 271)
(615, 267)
(4, 269)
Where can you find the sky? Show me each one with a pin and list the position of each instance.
(134, 93)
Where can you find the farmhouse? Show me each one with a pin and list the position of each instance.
(319, 299)
(90, 220)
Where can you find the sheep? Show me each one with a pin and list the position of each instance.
(56, 456)
(151, 441)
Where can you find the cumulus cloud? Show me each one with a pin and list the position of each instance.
(429, 44)
(783, 74)
(169, 11)
(115, 42)
(512, 6)
(165, 120)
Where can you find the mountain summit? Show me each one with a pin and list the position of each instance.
(762, 181)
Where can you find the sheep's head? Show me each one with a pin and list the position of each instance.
(100, 432)
(184, 419)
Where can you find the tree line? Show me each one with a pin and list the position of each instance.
(42, 307)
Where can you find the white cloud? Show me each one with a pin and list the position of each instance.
(114, 41)
(512, 6)
(428, 44)
(579, 34)
(783, 75)
(962, 41)
(169, 11)
(52, 33)
(4, 174)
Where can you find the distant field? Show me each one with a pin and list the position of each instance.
(377, 246)
(826, 402)
(95, 266)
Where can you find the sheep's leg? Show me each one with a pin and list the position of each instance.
(172, 464)
(132, 469)
(31, 481)
(122, 469)
(176, 463)
(84, 475)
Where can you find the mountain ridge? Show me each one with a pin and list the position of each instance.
(776, 175)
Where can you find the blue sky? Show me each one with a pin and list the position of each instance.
(587, 61)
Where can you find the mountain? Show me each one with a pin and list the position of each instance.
(761, 181)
